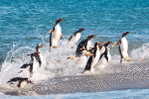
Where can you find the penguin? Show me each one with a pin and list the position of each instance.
(73, 39)
(84, 45)
(106, 54)
(35, 61)
(38, 54)
(25, 66)
(21, 82)
(55, 34)
(123, 47)
(93, 60)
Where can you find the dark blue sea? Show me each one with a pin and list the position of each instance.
(26, 23)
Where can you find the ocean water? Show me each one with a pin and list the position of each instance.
(24, 23)
(125, 94)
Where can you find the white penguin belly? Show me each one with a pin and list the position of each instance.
(56, 36)
(109, 55)
(96, 58)
(89, 45)
(95, 61)
(124, 47)
(35, 65)
(77, 38)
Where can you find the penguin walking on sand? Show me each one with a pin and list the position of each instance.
(20, 81)
(55, 34)
(73, 39)
(123, 47)
(84, 45)
(93, 60)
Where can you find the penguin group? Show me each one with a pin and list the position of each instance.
(97, 54)
(31, 68)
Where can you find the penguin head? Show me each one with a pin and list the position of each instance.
(125, 33)
(108, 43)
(80, 30)
(59, 20)
(97, 44)
(38, 46)
(90, 37)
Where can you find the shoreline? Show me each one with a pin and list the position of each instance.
(89, 83)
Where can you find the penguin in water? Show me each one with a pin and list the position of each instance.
(93, 60)
(105, 56)
(55, 34)
(37, 54)
(39, 57)
(21, 82)
(84, 45)
(83, 48)
(30, 68)
(73, 39)
(35, 58)
(123, 47)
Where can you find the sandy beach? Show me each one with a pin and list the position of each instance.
(127, 76)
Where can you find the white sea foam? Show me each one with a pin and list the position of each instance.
(141, 52)
(55, 62)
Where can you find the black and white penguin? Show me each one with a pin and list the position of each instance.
(35, 62)
(84, 45)
(105, 57)
(73, 39)
(21, 82)
(55, 34)
(93, 60)
(30, 68)
(123, 47)
(106, 54)
(39, 57)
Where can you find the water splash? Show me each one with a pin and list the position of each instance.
(54, 62)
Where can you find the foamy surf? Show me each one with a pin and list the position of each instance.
(56, 64)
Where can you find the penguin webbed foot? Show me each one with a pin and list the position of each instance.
(55, 47)
(71, 57)
(127, 59)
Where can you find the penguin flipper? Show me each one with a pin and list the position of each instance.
(70, 38)
(25, 65)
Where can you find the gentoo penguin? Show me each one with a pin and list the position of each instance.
(84, 45)
(55, 34)
(93, 60)
(35, 61)
(21, 82)
(105, 56)
(73, 39)
(37, 54)
(30, 68)
(123, 47)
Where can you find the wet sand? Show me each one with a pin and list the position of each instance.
(116, 77)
